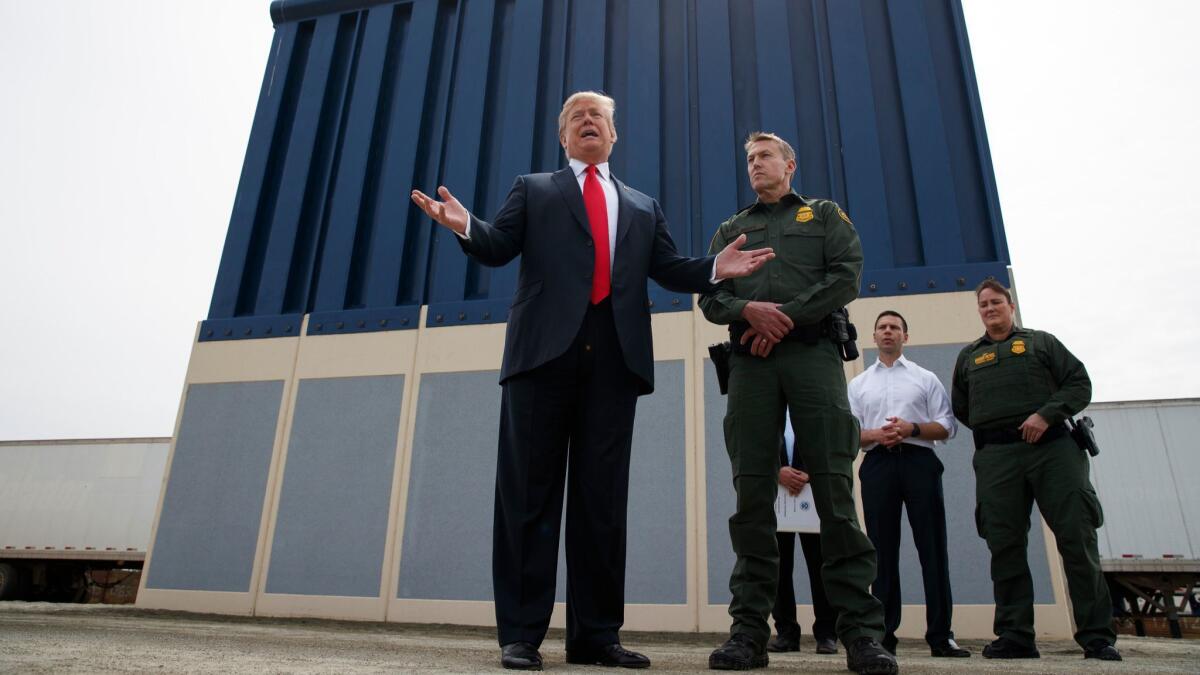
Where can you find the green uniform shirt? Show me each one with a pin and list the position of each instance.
(817, 266)
(1000, 383)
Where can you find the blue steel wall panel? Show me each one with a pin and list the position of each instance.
(364, 99)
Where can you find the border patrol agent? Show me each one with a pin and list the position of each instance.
(1016, 387)
(779, 320)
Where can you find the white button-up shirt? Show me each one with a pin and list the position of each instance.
(610, 199)
(904, 390)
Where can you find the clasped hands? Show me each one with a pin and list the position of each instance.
(768, 326)
(792, 480)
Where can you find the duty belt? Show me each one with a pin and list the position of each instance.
(1001, 436)
(809, 334)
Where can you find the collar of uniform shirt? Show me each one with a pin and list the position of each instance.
(579, 167)
(900, 361)
(790, 196)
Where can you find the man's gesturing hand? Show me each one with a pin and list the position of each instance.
(449, 213)
(792, 480)
(733, 262)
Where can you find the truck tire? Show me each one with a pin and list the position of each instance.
(10, 581)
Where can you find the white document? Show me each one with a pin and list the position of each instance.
(796, 514)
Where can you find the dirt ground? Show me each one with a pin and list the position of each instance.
(48, 638)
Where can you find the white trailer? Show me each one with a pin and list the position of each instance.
(1146, 476)
(71, 507)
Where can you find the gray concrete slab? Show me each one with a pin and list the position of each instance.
(47, 638)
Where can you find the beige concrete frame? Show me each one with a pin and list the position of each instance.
(944, 318)
(354, 355)
(218, 362)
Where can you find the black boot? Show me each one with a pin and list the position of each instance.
(865, 656)
(738, 653)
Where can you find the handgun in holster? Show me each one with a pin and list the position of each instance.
(1081, 431)
(719, 354)
(843, 333)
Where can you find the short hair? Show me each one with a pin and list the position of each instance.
(784, 148)
(995, 286)
(606, 102)
(891, 312)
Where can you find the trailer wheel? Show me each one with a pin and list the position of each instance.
(10, 581)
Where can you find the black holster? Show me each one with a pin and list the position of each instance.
(719, 355)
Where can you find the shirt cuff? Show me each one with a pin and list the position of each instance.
(712, 278)
(467, 232)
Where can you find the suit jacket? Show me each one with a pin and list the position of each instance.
(544, 221)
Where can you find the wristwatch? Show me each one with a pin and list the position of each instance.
(916, 430)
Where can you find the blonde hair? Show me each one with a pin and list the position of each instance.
(606, 102)
(784, 148)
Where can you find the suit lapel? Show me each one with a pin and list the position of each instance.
(624, 209)
(568, 186)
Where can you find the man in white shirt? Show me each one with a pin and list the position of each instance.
(793, 478)
(903, 410)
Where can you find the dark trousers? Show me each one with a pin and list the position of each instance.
(567, 424)
(825, 625)
(910, 478)
(1009, 478)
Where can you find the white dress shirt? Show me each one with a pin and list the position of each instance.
(610, 199)
(789, 436)
(904, 390)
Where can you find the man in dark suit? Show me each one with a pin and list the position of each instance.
(577, 354)
(793, 478)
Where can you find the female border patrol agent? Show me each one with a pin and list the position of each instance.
(1016, 387)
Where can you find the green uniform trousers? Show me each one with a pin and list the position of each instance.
(1008, 478)
(807, 379)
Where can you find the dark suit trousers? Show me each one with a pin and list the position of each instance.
(911, 478)
(567, 424)
(825, 625)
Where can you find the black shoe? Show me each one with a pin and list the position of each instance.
(1003, 648)
(520, 656)
(826, 646)
(1100, 649)
(612, 656)
(865, 656)
(948, 648)
(738, 653)
(889, 642)
(783, 644)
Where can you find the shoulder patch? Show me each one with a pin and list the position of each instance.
(843, 216)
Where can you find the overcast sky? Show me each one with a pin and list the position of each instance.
(123, 127)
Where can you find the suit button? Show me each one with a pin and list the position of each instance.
(587, 277)
(589, 243)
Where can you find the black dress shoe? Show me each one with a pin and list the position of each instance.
(780, 643)
(865, 656)
(612, 656)
(889, 643)
(948, 648)
(738, 653)
(826, 646)
(1003, 648)
(520, 656)
(1100, 649)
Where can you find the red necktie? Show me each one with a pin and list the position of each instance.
(597, 210)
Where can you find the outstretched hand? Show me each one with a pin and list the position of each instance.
(732, 262)
(449, 213)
